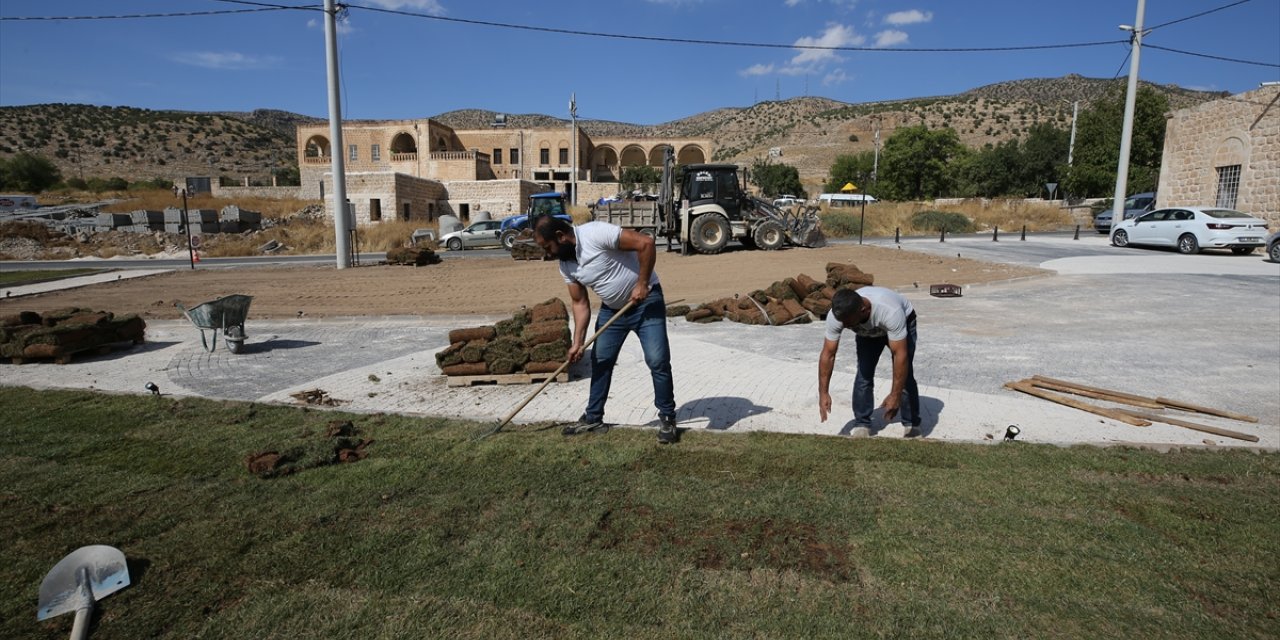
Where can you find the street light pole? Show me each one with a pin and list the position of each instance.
(573, 142)
(342, 239)
(1126, 134)
(1071, 146)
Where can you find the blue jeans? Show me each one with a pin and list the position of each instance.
(649, 321)
(864, 399)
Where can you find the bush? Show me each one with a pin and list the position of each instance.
(841, 224)
(941, 220)
(1101, 205)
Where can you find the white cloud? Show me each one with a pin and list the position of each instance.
(344, 26)
(835, 35)
(757, 70)
(913, 16)
(226, 60)
(890, 37)
(792, 3)
(432, 7)
(836, 77)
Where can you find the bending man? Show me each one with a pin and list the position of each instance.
(878, 317)
(617, 264)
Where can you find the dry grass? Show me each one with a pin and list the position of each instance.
(316, 236)
(882, 218)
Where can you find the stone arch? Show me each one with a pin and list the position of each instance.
(656, 153)
(317, 147)
(403, 143)
(441, 144)
(691, 154)
(1233, 150)
(632, 155)
(604, 156)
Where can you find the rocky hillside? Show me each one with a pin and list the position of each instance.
(810, 132)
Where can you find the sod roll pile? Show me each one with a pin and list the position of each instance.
(795, 300)
(60, 334)
(534, 340)
(412, 256)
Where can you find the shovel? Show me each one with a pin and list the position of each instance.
(85, 576)
(565, 365)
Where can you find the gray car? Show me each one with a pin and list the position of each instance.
(480, 234)
(1134, 206)
(1273, 246)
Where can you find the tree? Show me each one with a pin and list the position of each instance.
(913, 164)
(1097, 151)
(27, 172)
(639, 174)
(776, 179)
(852, 168)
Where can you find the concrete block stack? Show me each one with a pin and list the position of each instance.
(62, 333)
(534, 340)
(795, 300)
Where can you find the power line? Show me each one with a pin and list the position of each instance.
(1211, 57)
(131, 16)
(728, 43)
(1202, 13)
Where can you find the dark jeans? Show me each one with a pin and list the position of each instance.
(864, 399)
(649, 321)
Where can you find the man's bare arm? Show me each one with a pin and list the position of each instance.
(581, 318)
(826, 364)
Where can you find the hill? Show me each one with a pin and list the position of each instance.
(87, 141)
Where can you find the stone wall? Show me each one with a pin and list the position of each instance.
(1240, 130)
(501, 198)
(384, 194)
(275, 193)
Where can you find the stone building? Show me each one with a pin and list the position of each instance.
(1225, 153)
(422, 169)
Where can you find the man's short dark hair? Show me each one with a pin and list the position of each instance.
(845, 303)
(547, 226)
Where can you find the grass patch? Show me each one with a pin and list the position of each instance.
(882, 218)
(10, 278)
(529, 534)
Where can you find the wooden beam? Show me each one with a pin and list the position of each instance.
(1117, 394)
(1096, 395)
(1226, 433)
(1026, 387)
(1187, 406)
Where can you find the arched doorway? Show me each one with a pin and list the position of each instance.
(403, 143)
(656, 154)
(691, 154)
(316, 147)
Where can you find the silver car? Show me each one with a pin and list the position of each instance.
(1134, 206)
(1191, 229)
(1273, 246)
(485, 233)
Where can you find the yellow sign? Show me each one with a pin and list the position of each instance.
(849, 186)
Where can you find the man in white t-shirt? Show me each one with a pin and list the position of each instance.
(617, 264)
(879, 318)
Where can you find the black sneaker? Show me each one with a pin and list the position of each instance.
(583, 425)
(667, 431)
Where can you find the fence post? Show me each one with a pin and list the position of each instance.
(943, 237)
(897, 238)
(1024, 232)
(1077, 236)
(995, 234)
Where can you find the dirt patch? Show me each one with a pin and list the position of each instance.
(337, 445)
(494, 285)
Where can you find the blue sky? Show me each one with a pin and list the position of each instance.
(396, 66)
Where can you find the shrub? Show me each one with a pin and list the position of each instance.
(1101, 205)
(841, 224)
(941, 220)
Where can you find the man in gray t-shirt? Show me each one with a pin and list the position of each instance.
(617, 264)
(879, 318)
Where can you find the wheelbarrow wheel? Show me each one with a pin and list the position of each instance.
(234, 339)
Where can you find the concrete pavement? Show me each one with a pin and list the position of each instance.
(1202, 329)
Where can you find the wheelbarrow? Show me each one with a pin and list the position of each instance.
(225, 315)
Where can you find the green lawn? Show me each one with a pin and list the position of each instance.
(10, 278)
(528, 534)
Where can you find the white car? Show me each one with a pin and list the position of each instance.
(1191, 229)
(480, 234)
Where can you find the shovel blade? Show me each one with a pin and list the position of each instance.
(85, 576)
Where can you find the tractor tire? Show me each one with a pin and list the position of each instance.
(509, 238)
(769, 236)
(710, 233)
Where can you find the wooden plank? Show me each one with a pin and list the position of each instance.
(1187, 406)
(510, 378)
(1110, 392)
(1095, 395)
(1114, 414)
(1226, 433)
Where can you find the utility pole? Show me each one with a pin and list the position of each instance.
(875, 165)
(1071, 146)
(341, 233)
(573, 144)
(1122, 170)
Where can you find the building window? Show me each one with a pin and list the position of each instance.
(497, 156)
(1228, 186)
(544, 156)
(375, 152)
(564, 156)
(514, 155)
(375, 210)
(352, 153)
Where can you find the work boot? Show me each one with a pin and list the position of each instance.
(667, 431)
(910, 431)
(583, 425)
(860, 431)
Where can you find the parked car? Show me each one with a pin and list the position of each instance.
(1191, 229)
(786, 201)
(485, 233)
(1134, 206)
(1273, 246)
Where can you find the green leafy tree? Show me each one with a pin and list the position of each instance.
(1097, 151)
(640, 174)
(1044, 158)
(913, 164)
(29, 173)
(852, 168)
(776, 179)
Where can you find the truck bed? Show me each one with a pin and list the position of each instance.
(629, 215)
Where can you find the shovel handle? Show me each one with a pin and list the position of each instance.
(80, 628)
